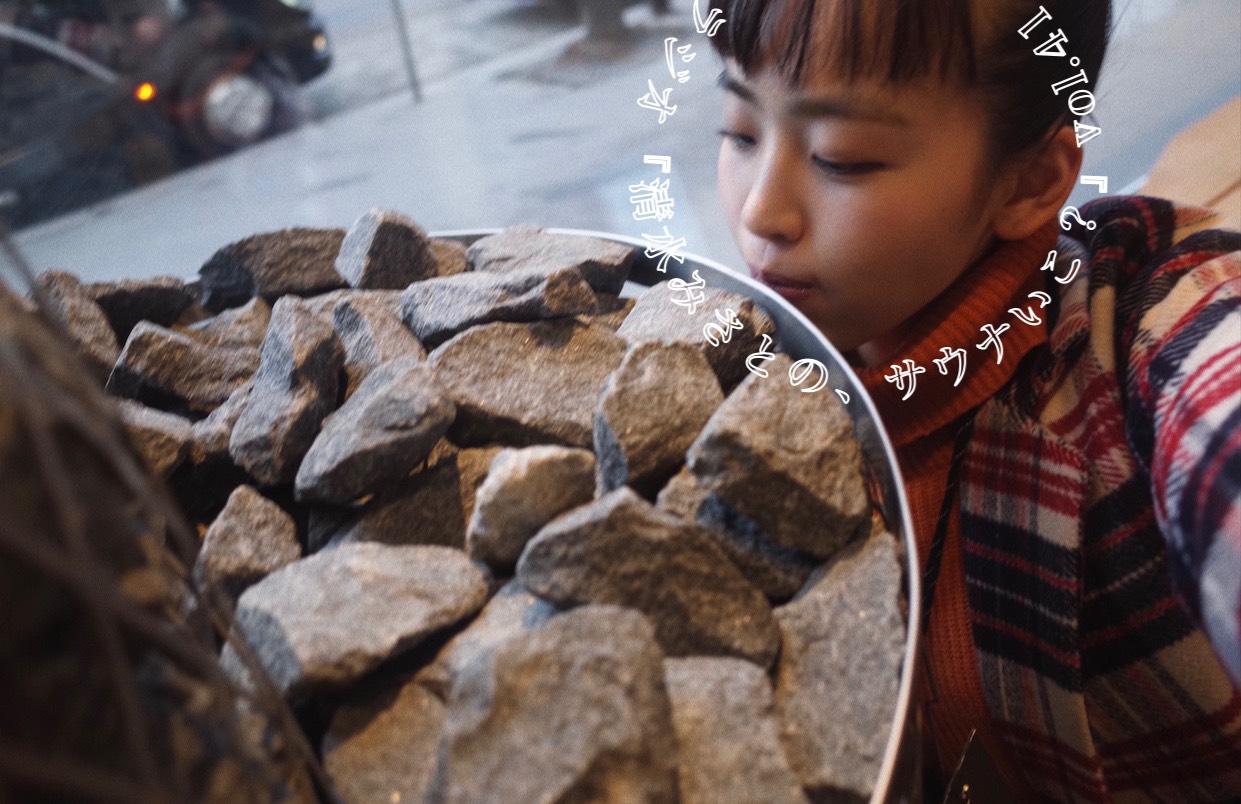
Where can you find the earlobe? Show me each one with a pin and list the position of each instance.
(1042, 184)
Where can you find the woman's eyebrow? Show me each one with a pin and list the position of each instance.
(847, 109)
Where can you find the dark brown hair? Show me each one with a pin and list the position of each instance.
(971, 42)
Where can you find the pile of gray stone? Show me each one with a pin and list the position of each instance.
(512, 536)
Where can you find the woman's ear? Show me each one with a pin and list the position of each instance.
(1040, 186)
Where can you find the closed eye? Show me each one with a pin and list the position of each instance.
(845, 169)
(739, 141)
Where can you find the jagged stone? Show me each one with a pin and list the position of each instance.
(236, 328)
(294, 390)
(250, 539)
(603, 264)
(610, 311)
(621, 550)
(171, 370)
(839, 672)
(524, 490)
(372, 335)
(163, 439)
(527, 384)
(786, 460)
(437, 309)
(328, 619)
(378, 437)
(385, 250)
(450, 257)
(382, 745)
(576, 711)
(655, 317)
(728, 738)
(512, 613)
(651, 410)
(161, 301)
(432, 508)
(84, 320)
(299, 260)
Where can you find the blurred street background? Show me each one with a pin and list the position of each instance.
(524, 117)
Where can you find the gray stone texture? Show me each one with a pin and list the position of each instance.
(610, 311)
(372, 335)
(327, 619)
(602, 263)
(778, 571)
(528, 384)
(250, 539)
(788, 461)
(655, 317)
(727, 734)
(294, 390)
(575, 712)
(299, 260)
(450, 257)
(378, 437)
(162, 439)
(433, 507)
(84, 319)
(160, 300)
(839, 672)
(382, 744)
(235, 328)
(171, 370)
(510, 614)
(385, 250)
(651, 410)
(437, 309)
(524, 490)
(621, 550)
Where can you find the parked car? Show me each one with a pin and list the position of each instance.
(100, 95)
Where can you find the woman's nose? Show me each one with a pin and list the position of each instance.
(773, 208)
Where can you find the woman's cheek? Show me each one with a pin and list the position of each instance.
(731, 185)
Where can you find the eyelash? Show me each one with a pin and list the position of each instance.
(741, 142)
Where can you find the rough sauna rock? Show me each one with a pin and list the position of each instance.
(728, 737)
(327, 619)
(172, 371)
(576, 711)
(621, 550)
(437, 309)
(382, 745)
(250, 539)
(778, 571)
(163, 439)
(610, 312)
(433, 508)
(512, 613)
(651, 410)
(324, 305)
(236, 328)
(655, 317)
(385, 250)
(450, 257)
(528, 384)
(299, 260)
(84, 319)
(379, 436)
(294, 389)
(372, 335)
(161, 301)
(603, 264)
(789, 461)
(209, 437)
(526, 489)
(839, 671)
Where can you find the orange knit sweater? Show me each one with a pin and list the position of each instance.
(922, 430)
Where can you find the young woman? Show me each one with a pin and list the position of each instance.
(1069, 430)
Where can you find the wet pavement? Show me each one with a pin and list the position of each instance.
(525, 120)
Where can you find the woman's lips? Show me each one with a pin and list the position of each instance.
(791, 289)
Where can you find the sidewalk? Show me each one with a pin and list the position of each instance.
(551, 134)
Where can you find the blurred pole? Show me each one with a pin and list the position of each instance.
(407, 49)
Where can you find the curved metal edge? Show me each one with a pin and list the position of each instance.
(874, 440)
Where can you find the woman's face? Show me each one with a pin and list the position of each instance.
(859, 203)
